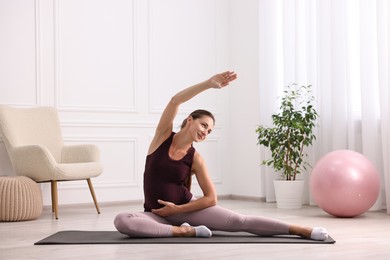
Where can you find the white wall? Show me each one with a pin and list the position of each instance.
(244, 101)
(110, 66)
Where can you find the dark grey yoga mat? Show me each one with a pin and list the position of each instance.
(114, 237)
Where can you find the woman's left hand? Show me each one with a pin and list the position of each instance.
(169, 209)
(222, 79)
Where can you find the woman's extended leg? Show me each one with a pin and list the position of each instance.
(219, 218)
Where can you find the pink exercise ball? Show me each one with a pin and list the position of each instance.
(345, 183)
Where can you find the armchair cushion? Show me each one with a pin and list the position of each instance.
(80, 153)
(78, 171)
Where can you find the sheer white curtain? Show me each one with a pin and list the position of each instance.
(341, 47)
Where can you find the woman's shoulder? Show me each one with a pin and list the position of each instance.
(198, 159)
(159, 140)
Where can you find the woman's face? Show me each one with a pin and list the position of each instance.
(201, 127)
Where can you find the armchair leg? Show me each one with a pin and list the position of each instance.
(93, 195)
(54, 198)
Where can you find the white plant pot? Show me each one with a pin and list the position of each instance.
(289, 194)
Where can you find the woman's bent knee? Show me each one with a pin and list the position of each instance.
(121, 222)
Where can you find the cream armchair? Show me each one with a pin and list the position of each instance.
(33, 139)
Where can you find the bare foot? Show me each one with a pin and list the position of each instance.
(183, 231)
(186, 230)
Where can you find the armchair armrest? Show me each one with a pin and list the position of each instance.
(33, 161)
(80, 153)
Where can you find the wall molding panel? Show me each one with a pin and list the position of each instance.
(120, 157)
(20, 52)
(38, 53)
(83, 82)
(109, 124)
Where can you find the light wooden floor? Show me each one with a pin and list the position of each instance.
(364, 237)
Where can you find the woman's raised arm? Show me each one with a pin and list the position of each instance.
(165, 125)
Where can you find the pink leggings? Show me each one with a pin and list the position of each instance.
(148, 224)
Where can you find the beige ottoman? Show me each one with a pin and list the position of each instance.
(20, 199)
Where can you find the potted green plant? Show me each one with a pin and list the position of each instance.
(292, 131)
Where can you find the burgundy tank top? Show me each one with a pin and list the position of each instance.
(164, 177)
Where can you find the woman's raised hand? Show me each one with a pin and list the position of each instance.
(222, 79)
